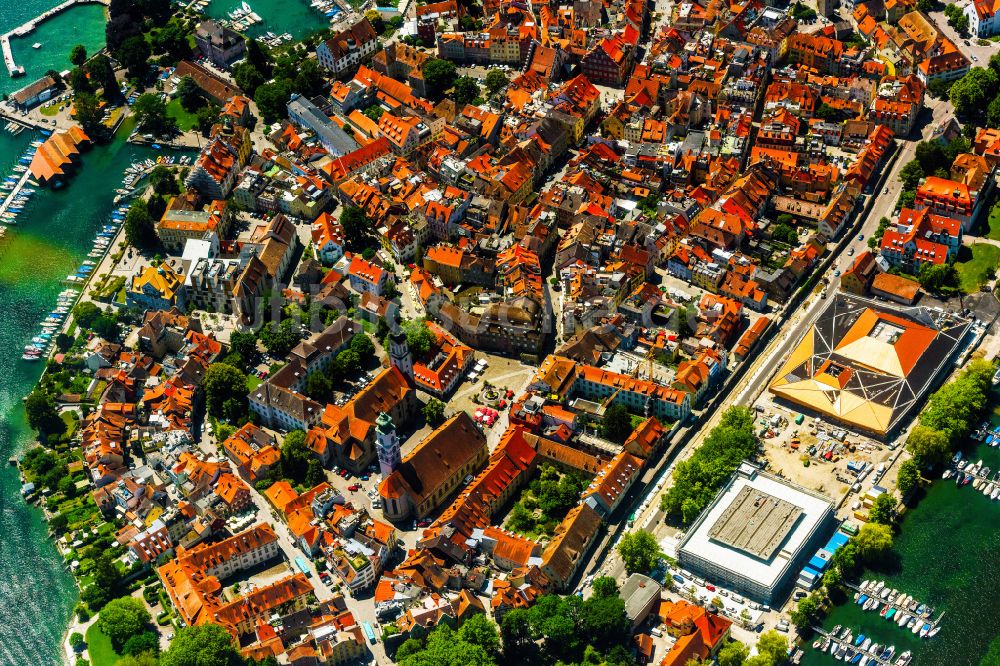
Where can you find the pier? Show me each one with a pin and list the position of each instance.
(28, 27)
(872, 657)
(14, 192)
(909, 609)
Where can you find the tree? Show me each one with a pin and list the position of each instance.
(993, 113)
(970, 94)
(908, 477)
(374, 112)
(496, 81)
(433, 412)
(480, 630)
(439, 77)
(466, 90)
(78, 55)
(605, 586)
(806, 612)
(140, 229)
(363, 345)
(295, 456)
(928, 446)
(272, 99)
(189, 94)
(248, 77)
(43, 416)
(347, 363)
(223, 382)
(107, 327)
(141, 643)
(318, 387)
(616, 424)
(87, 111)
(419, 338)
(357, 228)
(883, 510)
(121, 619)
(102, 75)
(151, 114)
(172, 41)
(142, 659)
(733, 653)
(134, 55)
(309, 80)
(773, 645)
(245, 344)
(375, 18)
(79, 81)
(163, 180)
(938, 277)
(873, 541)
(206, 117)
(202, 645)
(279, 339)
(639, 551)
(515, 632)
(910, 174)
(444, 648)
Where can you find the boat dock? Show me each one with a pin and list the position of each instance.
(899, 610)
(873, 658)
(12, 195)
(28, 27)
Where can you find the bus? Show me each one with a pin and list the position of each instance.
(303, 567)
(369, 633)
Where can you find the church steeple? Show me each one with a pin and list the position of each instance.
(386, 444)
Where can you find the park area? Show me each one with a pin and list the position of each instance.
(186, 121)
(977, 264)
(545, 501)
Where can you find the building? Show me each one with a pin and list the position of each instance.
(641, 595)
(949, 198)
(867, 364)
(984, 18)
(347, 49)
(156, 288)
(186, 218)
(366, 277)
(756, 535)
(428, 475)
(895, 288)
(34, 93)
(331, 136)
(921, 238)
(217, 89)
(699, 633)
(219, 44)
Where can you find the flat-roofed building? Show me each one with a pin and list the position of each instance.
(756, 535)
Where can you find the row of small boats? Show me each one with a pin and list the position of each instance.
(861, 650)
(41, 343)
(898, 607)
(978, 475)
(15, 200)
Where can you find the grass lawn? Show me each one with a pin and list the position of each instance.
(99, 648)
(253, 382)
(49, 109)
(185, 121)
(993, 223)
(973, 271)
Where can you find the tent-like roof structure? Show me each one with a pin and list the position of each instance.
(867, 363)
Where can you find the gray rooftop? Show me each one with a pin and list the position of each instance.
(755, 522)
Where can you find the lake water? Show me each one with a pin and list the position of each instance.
(949, 557)
(295, 17)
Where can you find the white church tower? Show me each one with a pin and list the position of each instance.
(386, 444)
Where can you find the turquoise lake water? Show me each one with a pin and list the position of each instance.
(295, 17)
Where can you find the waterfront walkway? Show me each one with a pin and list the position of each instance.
(28, 27)
(5, 204)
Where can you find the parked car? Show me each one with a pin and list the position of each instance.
(424, 523)
(354, 487)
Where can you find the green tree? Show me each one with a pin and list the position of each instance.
(358, 229)
(433, 412)
(873, 541)
(419, 338)
(223, 382)
(515, 633)
(466, 90)
(134, 54)
(908, 477)
(121, 619)
(206, 117)
(374, 112)
(362, 345)
(202, 645)
(43, 416)
(639, 551)
(245, 344)
(172, 41)
(140, 228)
(444, 648)
(279, 338)
(971, 94)
(439, 77)
(163, 180)
(309, 80)
(78, 55)
(883, 510)
(102, 75)
(993, 113)
(733, 653)
(295, 456)
(319, 387)
(248, 77)
(773, 645)
(481, 631)
(616, 424)
(272, 100)
(189, 94)
(806, 612)
(79, 81)
(938, 277)
(88, 113)
(605, 586)
(911, 174)
(151, 115)
(142, 643)
(142, 659)
(928, 446)
(496, 81)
